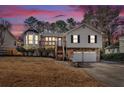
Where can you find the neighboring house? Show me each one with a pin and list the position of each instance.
(121, 44)
(111, 49)
(85, 39)
(9, 44)
(31, 39)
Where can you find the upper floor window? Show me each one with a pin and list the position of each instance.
(26, 39)
(75, 38)
(36, 39)
(46, 38)
(92, 39)
(53, 38)
(30, 39)
(50, 38)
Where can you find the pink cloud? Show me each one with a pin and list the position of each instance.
(17, 29)
(78, 7)
(20, 14)
(13, 11)
(121, 13)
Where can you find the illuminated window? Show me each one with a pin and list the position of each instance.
(46, 43)
(53, 43)
(50, 43)
(50, 39)
(46, 39)
(92, 38)
(59, 41)
(36, 39)
(30, 39)
(75, 38)
(53, 38)
(26, 39)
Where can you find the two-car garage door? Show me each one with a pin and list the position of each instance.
(84, 56)
(89, 56)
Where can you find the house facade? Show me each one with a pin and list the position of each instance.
(121, 44)
(31, 39)
(112, 49)
(9, 44)
(85, 39)
(49, 42)
(49, 39)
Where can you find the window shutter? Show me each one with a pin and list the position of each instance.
(95, 38)
(88, 38)
(71, 38)
(78, 38)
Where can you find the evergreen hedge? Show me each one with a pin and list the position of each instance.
(113, 57)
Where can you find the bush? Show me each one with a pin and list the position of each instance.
(113, 57)
(20, 49)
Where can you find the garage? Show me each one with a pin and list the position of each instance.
(84, 57)
(89, 56)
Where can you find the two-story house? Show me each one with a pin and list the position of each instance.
(85, 39)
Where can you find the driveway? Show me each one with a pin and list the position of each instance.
(111, 74)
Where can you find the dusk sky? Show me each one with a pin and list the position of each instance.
(17, 14)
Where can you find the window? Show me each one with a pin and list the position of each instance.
(53, 43)
(15, 43)
(50, 43)
(59, 41)
(46, 43)
(53, 38)
(30, 38)
(92, 39)
(46, 38)
(26, 39)
(75, 38)
(36, 39)
(50, 38)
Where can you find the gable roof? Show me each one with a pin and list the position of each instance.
(50, 33)
(30, 30)
(83, 25)
(12, 35)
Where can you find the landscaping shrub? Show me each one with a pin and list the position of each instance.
(20, 49)
(113, 57)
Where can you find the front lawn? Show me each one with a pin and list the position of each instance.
(38, 71)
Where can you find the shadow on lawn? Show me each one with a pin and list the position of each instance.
(82, 65)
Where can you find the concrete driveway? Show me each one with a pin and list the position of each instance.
(111, 74)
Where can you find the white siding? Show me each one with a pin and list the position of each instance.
(84, 57)
(83, 32)
(35, 40)
(121, 44)
(89, 56)
(9, 41)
